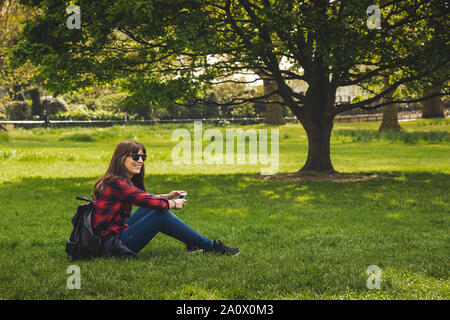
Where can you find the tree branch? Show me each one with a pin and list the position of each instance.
(405, 101)
(233, 102)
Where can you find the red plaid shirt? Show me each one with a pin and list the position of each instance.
(113, 207)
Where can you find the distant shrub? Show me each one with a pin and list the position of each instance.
(395, 136)
(18, 110)
(79, 137)
(81, 112)
(243, 111)
(53, 105)
(110, 102)
(433, 122)
(101, 97)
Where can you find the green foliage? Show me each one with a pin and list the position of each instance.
(80, 137)
(101, 103)
(109, 98)
(81, 112)
(433, 122)
(395, 136)
(246, 110)
(172, 51)
(4, 137)
(2, 112)
(18, 110)
(160, 52)
(53, 105)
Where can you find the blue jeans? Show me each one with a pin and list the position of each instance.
(145, 223)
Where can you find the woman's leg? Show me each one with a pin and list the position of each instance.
(148, 222)
(136, 215)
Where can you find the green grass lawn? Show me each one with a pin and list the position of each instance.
(308, 240)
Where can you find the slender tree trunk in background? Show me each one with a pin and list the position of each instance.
(390, 118)
(433, 108)
(36, 107)
(390, 113)
(274, 110)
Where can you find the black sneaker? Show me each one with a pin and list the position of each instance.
(220, 248)
(192, 248)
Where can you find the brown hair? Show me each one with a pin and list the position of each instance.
(117, 169)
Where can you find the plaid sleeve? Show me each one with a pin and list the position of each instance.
(127, 192)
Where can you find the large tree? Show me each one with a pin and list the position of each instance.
(170, 50)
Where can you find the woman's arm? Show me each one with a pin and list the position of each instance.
(177, 204)
(126, 191)
(172, 195)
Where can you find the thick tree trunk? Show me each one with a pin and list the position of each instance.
(390, 118)
(433, 108)
(319, 135)
(318, 129)
(274, 110)
(317, 120)
(390, 113)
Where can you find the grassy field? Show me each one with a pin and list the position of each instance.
(309, 240)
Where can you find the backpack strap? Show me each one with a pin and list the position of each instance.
(83, 199)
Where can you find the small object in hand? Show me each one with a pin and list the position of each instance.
(182, 196)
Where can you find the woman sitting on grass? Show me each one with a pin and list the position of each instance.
(123, 186)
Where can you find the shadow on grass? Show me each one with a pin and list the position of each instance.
(317, 236)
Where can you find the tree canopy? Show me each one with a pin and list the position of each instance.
(167, 51)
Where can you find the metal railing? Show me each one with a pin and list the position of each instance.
(402, 116)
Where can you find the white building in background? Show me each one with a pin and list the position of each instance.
(346, 94)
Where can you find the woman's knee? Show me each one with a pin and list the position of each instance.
(138, 214)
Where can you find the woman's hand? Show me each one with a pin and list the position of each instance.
(175, 194)
(177, 204)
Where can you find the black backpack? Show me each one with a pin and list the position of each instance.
(83, 242)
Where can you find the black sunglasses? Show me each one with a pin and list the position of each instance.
(136, 156)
